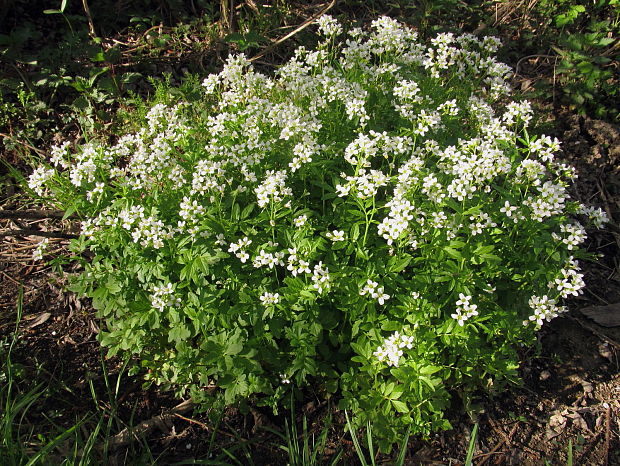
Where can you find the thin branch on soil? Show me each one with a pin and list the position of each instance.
(532, 56)
(124, 437)
(301, 27)
(505, 440)
(32, 214)
(607, 433)
(192, 421)
(25, 144)
(509, 439)
(601, 335)
(10, 278)
(44, 234)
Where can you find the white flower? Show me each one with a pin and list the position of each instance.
(98, 189)
(40, 250)
(273, 188)
(571, 281)
(508, 209)
(163, 297)
(238, 251)
(596, 215)
(269, 298)
(335, 235)
(464, 309)
(391, 350)
(321, 278)
(544, 308)
(39, 177)
(375, 291)
(300, 221)
(328, 26)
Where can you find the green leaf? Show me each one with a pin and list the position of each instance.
(400, 406)
(397, 265)
(247, 210)
(453, 253)
(112, 286)
(69, 212)
(179, 333)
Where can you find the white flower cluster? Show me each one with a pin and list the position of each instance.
(190, 212)
(574, 235)
(38, 178)
(328, 26)
(321, 280)
(596, 215)
(86, 166)
(449, 107)
(464, 309)
(545, 148)
(268, 259)
(571, 281)
(303, 152)
(544, 308)
(295, 264)
(300, 221)
(59, 155)
(365, 185)
(163, 297)
(397, 221)
(40, 250)
(238, 249)
(151, 232)
(518, 112)
(391, 350)
(207, 177)
(550, 201)
(273, 189)
(372, 289)
(408, 93)
(269, 299)
(480, 222)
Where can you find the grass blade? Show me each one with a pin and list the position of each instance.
(472, 446)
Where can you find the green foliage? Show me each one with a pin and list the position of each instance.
(584, 35)
(303, 449)
(375, 221)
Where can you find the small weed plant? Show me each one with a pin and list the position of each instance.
(374, 221)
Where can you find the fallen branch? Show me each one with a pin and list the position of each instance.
(44, 234)
(32, 214)
(25, 144)
(144, 428)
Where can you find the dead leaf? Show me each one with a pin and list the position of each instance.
(605, 316)
(68, 340)
(556, 425)
(39, 319)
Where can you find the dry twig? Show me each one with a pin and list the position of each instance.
(301, 27)
(32, 214)
(144, 428)
(44, 234)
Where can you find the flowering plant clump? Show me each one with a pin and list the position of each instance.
(375, 221)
